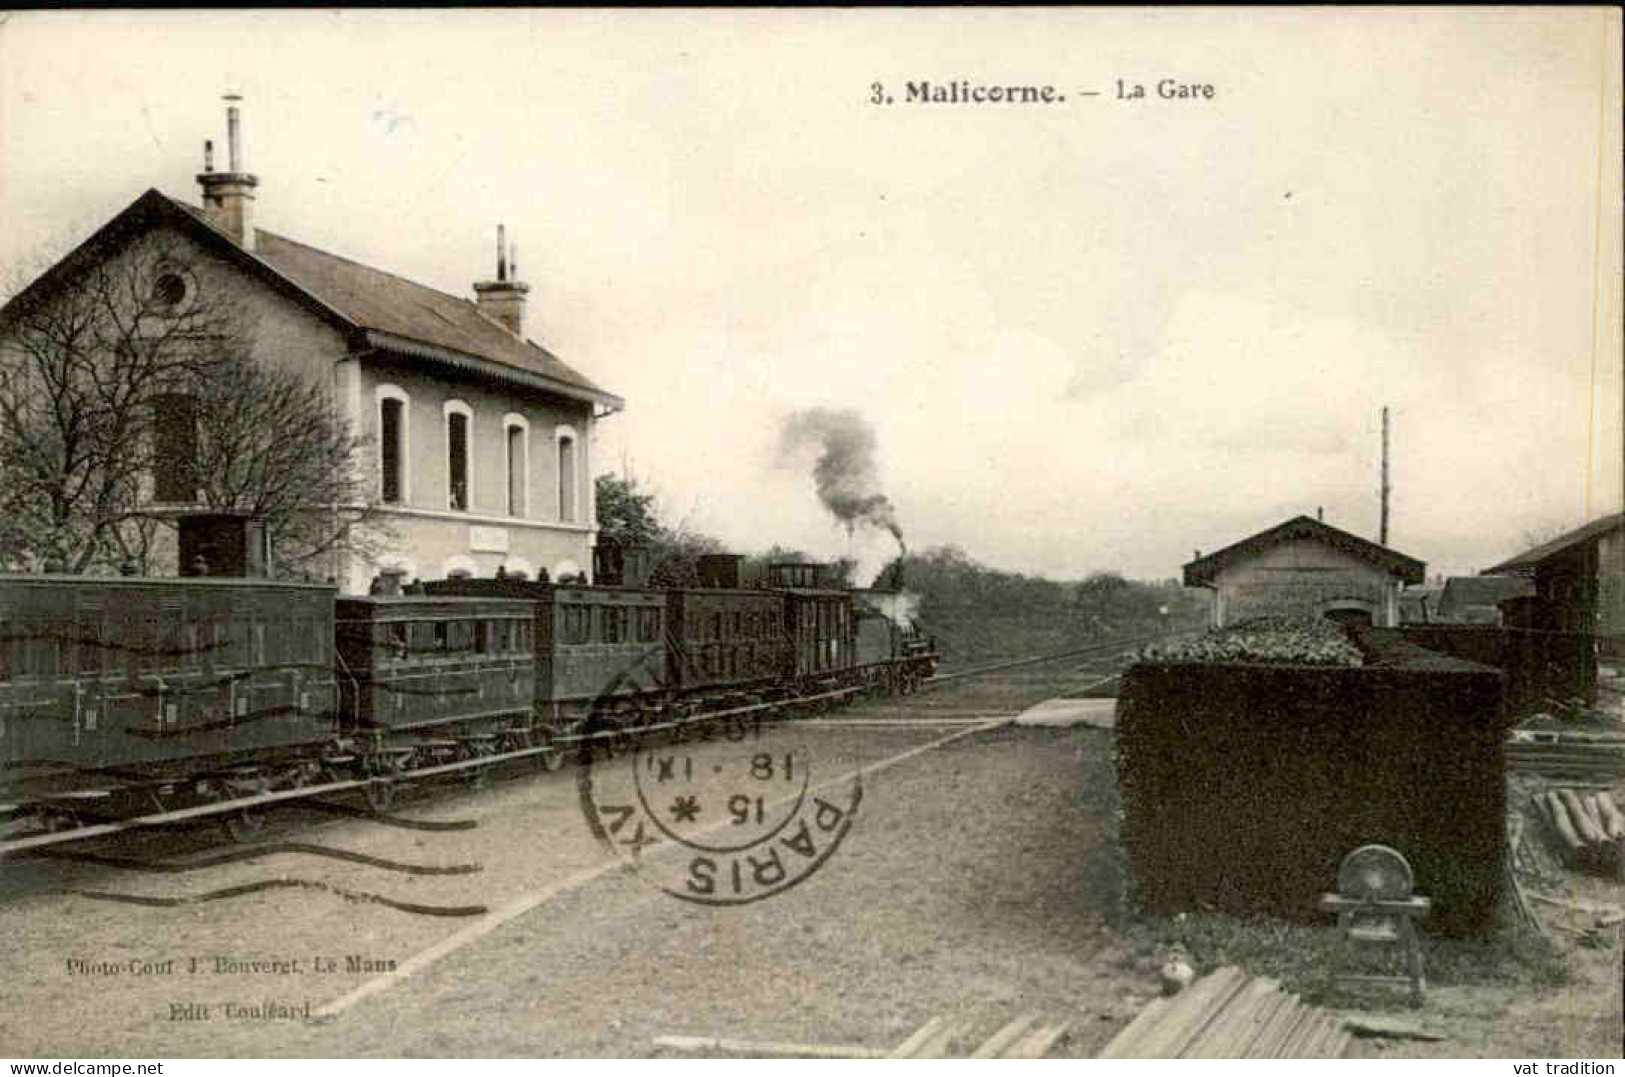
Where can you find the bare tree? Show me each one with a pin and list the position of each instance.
(122, 378)
(271, 444)
(82, 356)
(1542, 534)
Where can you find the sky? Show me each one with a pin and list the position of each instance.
(1092, 335)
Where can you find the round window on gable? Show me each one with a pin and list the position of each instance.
(169, 291)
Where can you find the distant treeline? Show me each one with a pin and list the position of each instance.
(978, 614)
(982, 614)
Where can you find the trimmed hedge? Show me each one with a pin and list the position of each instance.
(1244, 786)
(1540, 666)
(1308, 641)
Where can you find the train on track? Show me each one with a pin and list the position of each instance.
(124, 696)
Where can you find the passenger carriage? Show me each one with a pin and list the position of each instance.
(598, 650)
(430, 679)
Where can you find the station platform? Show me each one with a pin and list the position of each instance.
(1099, 713)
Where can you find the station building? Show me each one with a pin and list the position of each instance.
(482, 436)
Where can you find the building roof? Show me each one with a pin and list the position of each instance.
(377, 310)
(1202, 571)
(1484, 592)
(1526, 561)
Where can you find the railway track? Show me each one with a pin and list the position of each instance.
(610, 739)
(1000, 667)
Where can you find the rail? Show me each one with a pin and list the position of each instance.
(261, 800)
(1059, 656)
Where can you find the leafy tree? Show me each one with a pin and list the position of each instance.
(628, 515)
(979, 613)
(677, 558)
(626, 512)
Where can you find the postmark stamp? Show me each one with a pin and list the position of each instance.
(723, 812)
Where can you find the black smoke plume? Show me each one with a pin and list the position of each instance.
(845, 472)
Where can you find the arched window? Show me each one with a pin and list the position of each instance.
(516, 439)
(569, 483)
(459, 455)
(394, 444)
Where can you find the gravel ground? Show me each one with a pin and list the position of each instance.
(968, 887)
(526, 835)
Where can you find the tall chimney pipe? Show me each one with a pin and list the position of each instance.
(502, 254)
(234, 155)
(208, 155)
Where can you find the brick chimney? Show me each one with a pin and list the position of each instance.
(503, 299)
(228, 197)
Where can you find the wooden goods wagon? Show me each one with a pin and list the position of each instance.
(136, 675)
(821, 630)
(727, 638)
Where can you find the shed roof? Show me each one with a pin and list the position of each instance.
(1202, 571)
(1526, 561)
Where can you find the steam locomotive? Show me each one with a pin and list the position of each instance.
(125, 695)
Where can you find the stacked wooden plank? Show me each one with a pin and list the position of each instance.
(1228, 1014)
(1024, 1037)
(1598, 758)
(1027, 1036)
(1589, 828)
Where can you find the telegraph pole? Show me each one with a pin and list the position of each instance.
(1382, 535)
